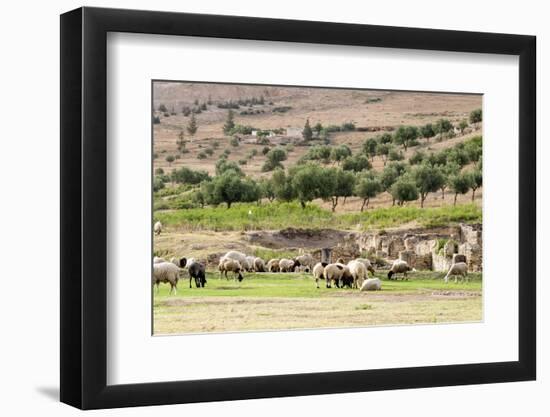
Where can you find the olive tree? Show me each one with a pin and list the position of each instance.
(339, 153)
(342, 182)
(274, 158)
(442, 126)
(476, 116)
(369, 148)
(405, 136)
(356, 163)
(367, 186)
(427, 132)
(459, 184)
(428, 179)
(230, 188)
(282, 186)
(463, 124)
(404, 189)
(476, 180)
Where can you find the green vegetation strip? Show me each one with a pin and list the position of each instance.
(249, 216)
(299, 285)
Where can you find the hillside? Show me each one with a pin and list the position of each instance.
(371, 111)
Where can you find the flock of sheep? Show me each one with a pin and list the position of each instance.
(354, 274)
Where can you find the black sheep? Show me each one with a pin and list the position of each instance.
(198, 272)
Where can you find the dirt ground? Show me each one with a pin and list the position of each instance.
(340, 309)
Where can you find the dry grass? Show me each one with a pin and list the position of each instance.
(291, 301)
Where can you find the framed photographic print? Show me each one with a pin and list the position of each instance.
(290, 208)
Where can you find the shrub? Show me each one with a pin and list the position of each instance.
(202, 155)
(156, 120)
(281, 109)
(243, 161)
(234, 141)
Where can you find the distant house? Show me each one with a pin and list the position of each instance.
(294, 131)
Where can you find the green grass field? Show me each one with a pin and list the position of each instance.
(269, 216)
(291, 301)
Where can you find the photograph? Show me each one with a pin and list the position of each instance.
(292, 207)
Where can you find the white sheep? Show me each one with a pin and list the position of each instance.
(238, 256)
(166, 272)
(230, 265)
(318, 271)
(158, 260)
(400, 267)
(157, 228)
(305, 260)
(286, 265)
(358, 272)
(367, 264)
(371, 284)
(459, 268)
(339, 274)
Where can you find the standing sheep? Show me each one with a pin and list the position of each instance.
(158, 260)
(460, 268)
(157, 228)
(196, 271)
(286, 265)
(371, 284)
(166, 272)
(273, 265)
(237, 256)
(250, 260)
(305, 260)
(367, 263)
(339, 274)
(318, 271)
(259, 265)
(230, 265)
(358, 272)
(400, 267)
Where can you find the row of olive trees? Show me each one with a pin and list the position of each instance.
(437, 172)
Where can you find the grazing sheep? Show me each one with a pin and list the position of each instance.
(302, 268)
(158, 260)
(237, 256)
(230, 265)
(339, 274)
(340, 261)
(273, 265)
(181, 262)
(318, 271)
(305, 260)
(367, 264)
(460, 268)
(358, 272)
(196, 271)
(250, 260)
(286, 265)
(400, 267)
(371, 284)
(166, 272)
(157, 228)
(259, 265)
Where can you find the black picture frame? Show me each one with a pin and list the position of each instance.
(84, 207)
